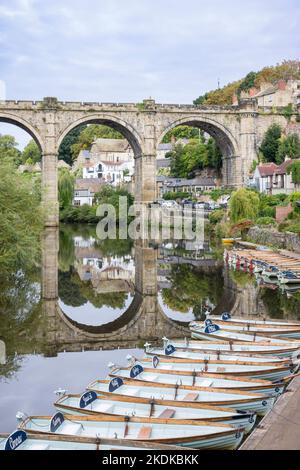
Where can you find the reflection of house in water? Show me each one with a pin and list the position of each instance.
(107, 274)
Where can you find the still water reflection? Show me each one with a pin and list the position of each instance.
(63, 322)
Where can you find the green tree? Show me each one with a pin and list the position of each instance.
(65, 149)
(176, 157)
(91, 133)
(289, 147)
(248, 82)
(294, 170)
(21, 220)
(182, 132)
(65, 188)
(8, 149)
(31, 153)
(195, 156)
(243, 205)
(271, 142)
(200, 100)
(214, 156)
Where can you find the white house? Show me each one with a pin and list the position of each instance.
(273, 179)
(85, 189)
(110, 160)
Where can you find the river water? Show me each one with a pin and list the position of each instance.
(93, 302)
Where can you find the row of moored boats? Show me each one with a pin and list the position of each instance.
(206, 392)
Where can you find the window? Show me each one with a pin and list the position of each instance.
(77, 202)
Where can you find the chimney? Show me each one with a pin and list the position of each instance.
(253, 91)
(281, 85)
(235, 100)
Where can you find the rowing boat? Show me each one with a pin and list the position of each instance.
(203, 381)
(126, 406)
(226, 316)
(240, 349)
(247, 401)
(214, 332)
(200, 434)
(21, 440)
(275, 331)
(181, 364)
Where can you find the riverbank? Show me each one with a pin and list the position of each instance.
(279, 430)
(271, 237)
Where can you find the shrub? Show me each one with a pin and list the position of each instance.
(216, 216)
(266, 221)
(295, 228)
(268, 212)
(295, 196)
(171, 196)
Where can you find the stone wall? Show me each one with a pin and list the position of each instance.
(269, 236)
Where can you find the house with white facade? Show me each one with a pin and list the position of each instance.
(85, 190)
(273, 179)
(111, 160)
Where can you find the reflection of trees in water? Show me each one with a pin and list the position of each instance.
(192, 288)
(71, 289)
(20, 292)
(75, 293)
(279, 305)
(241, 278)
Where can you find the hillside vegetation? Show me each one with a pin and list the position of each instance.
(288, 69)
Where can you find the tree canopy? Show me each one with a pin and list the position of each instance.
(21, 220)
(244, 205)
(31, 153)
(8, 149)
(271, 142)
(65, 188)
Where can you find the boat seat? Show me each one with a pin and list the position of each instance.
(221, 369)
(70, 428)
(206, 383)
(145, 432)
(39, 447)
(191, 397)
(167, 414)
(134, 392)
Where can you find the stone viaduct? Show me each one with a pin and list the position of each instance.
(238, 131)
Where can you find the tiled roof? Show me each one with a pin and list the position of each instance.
(163, 163)
(267, 169)
(92, 184)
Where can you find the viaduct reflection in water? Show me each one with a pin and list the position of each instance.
(140, 293)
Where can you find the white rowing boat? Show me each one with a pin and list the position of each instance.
(151, 375)
(180, 364)
(276, 331)
(200, 434)
(20, 440)
(226, 316)
(92, 404)
(240, 349)
(247, 401)
(214, 331)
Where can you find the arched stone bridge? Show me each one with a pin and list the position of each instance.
(238, 131)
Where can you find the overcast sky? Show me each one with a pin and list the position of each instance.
(125, 51)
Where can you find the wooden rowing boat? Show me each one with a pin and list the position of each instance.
(247, 401)
(226, 316)
(241, 349)
(125, 406)
(21, 440)
(213, 381)
(215, 332)
(185, 433)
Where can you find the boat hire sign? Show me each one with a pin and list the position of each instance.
(115, 384)
(56, 422)
(211, 329)
(87, 398)
(15, 440)
(136, 371)
(226, 316)
(170, 349)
